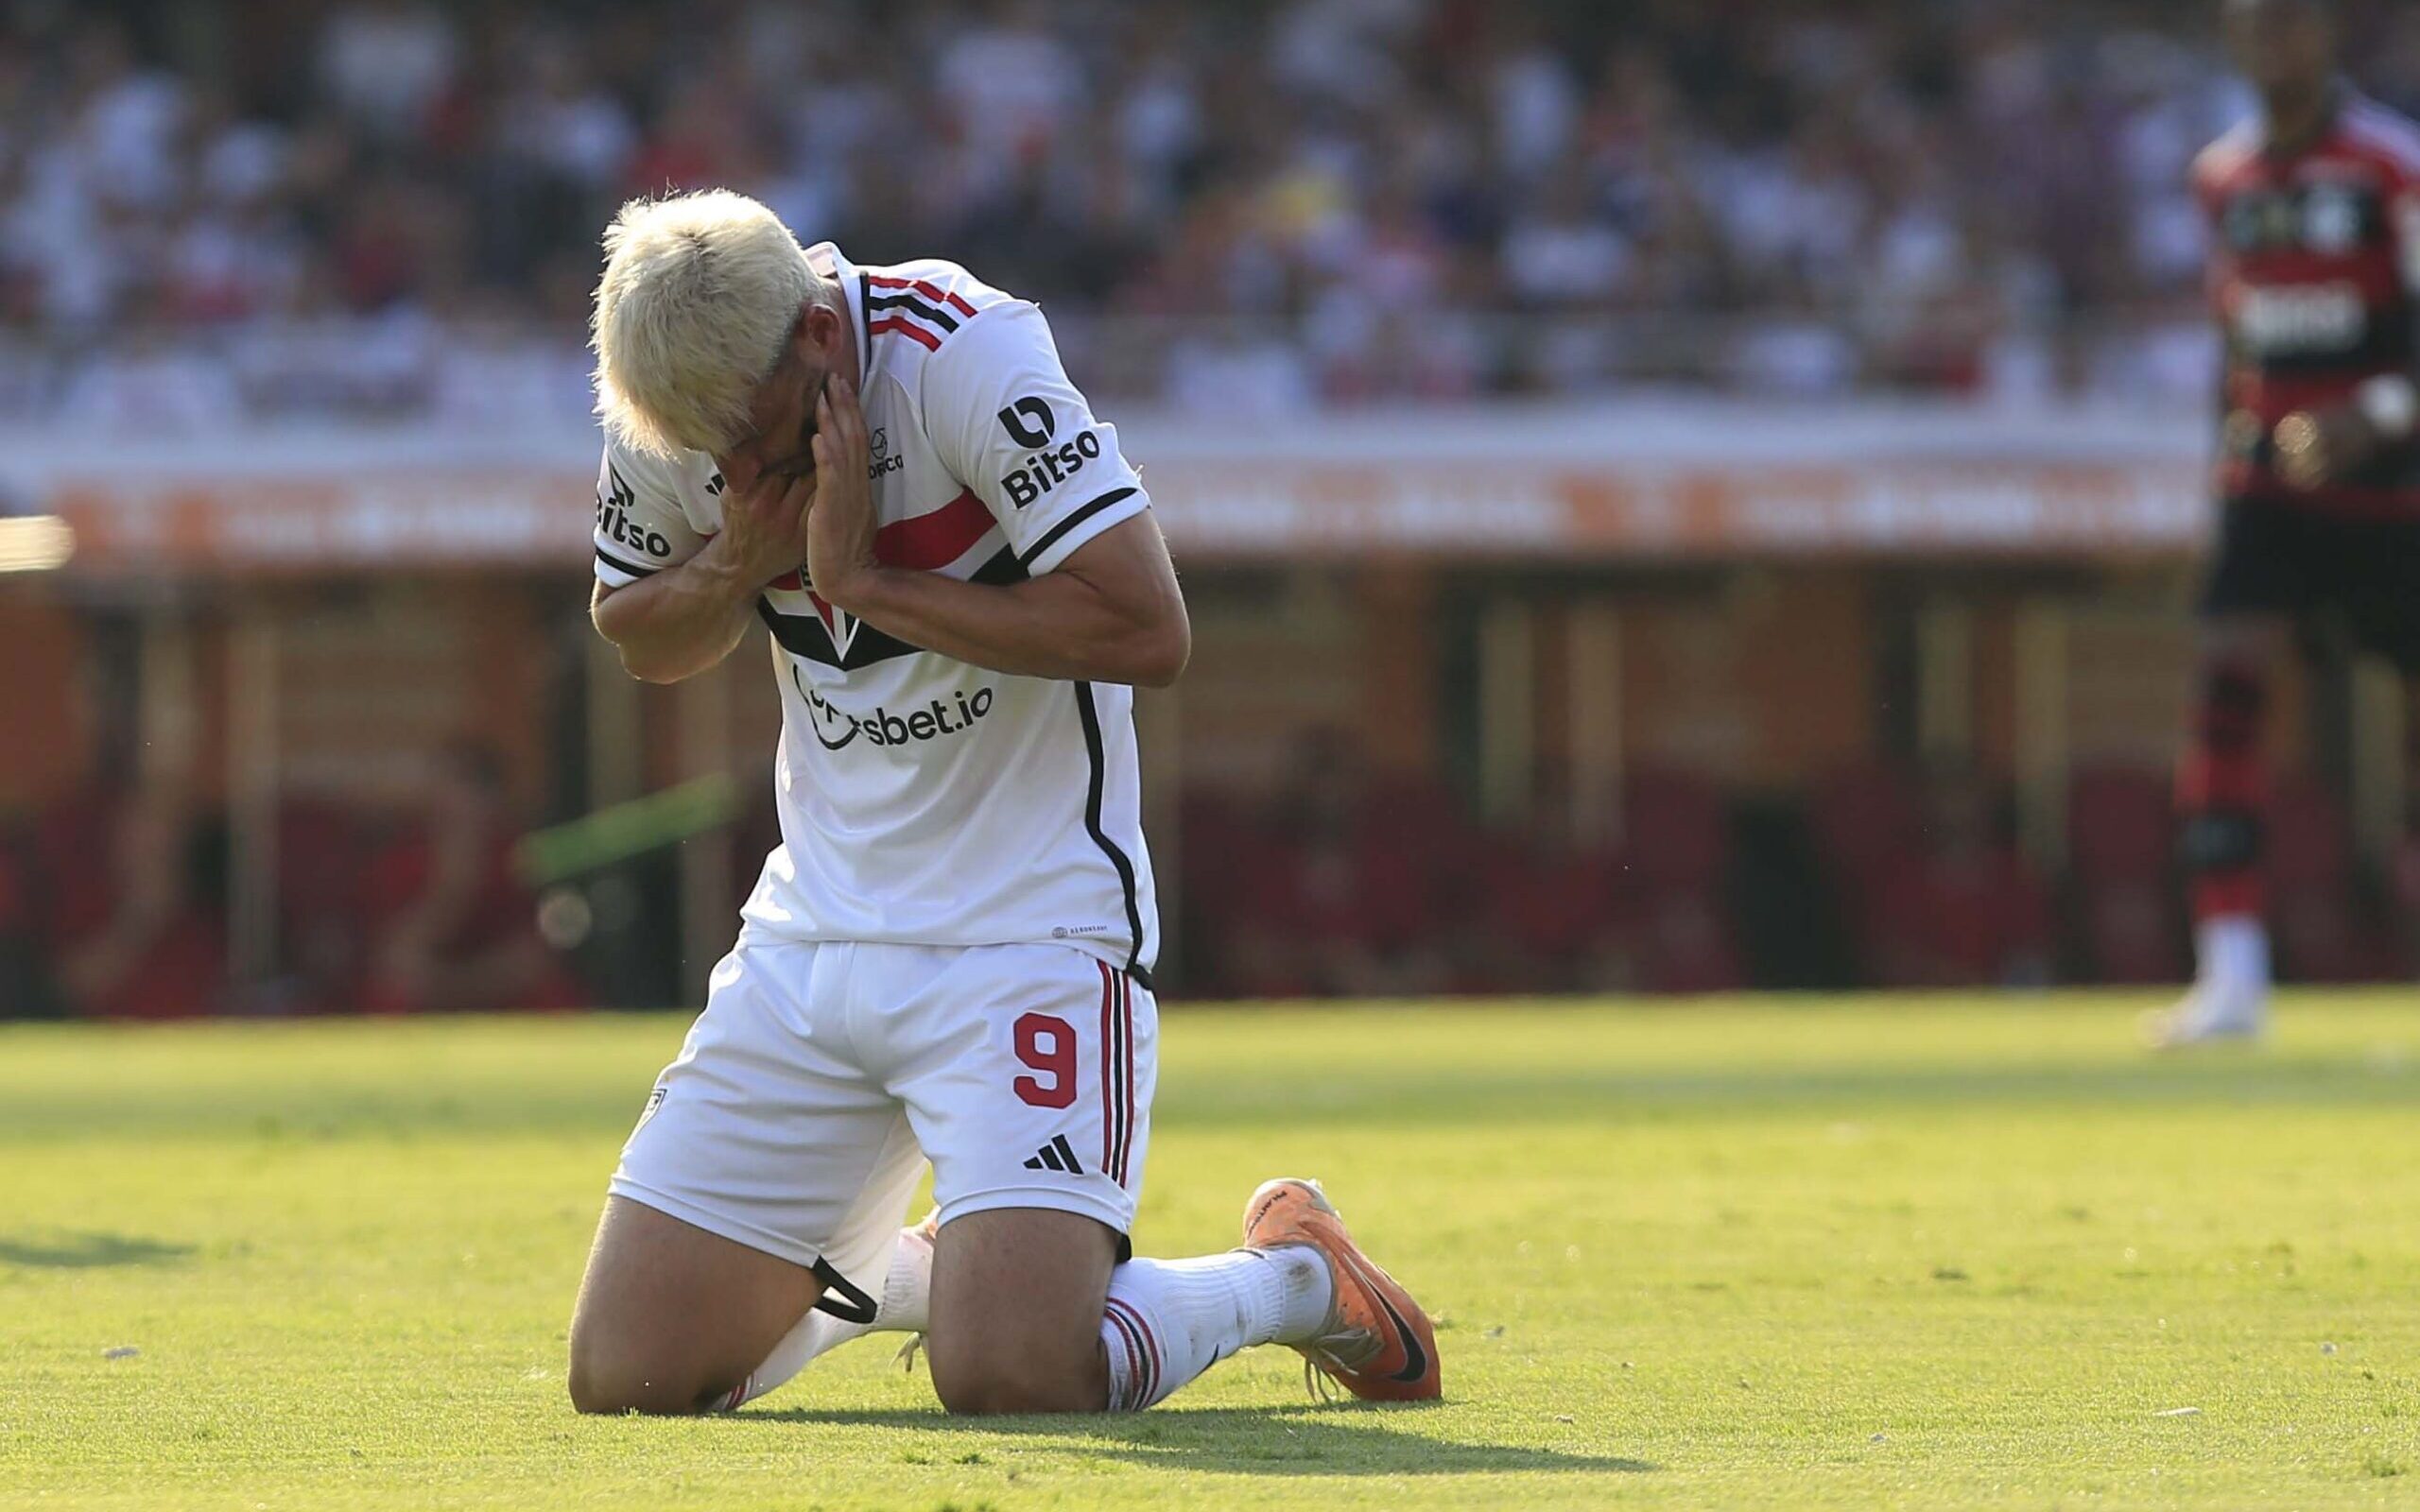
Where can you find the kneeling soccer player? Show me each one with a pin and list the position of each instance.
(948, 956)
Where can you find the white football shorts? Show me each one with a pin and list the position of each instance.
(820, 1076)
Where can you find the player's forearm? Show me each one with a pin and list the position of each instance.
(1060, 625)
(679, 622)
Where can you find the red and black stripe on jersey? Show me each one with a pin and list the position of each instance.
(2263, 249)
(808, 638)
(923, 312)
(2312, 234)
(925, 542)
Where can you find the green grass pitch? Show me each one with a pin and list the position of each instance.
(1858, 1253)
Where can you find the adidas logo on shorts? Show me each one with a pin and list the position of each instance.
(1055, 1155)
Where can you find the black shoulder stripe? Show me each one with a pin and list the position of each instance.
(1083, 513)
(1002, 570)
(914, 306)
(633, 568)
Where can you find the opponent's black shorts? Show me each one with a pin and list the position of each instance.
(2345, 583)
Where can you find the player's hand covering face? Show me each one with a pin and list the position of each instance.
(771, 475)
(786, 410)
(841, 521)
(765, 525)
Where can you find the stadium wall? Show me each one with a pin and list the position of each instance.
(1525, 610)
(1743, 555)
(1748, 566)
(1638, 480)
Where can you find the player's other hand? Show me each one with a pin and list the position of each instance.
(764, 526)
(840, 524)
(2318, 447)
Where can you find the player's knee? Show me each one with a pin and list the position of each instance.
(613, 1393)
(991, 1393)
(1024, 1384)
(609, 1381)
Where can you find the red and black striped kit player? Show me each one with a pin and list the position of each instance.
(2313, 209)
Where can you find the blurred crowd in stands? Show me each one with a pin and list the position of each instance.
(1337, 882)
(210, 208)
(115, 903)
(1345, 883)
(221, 209)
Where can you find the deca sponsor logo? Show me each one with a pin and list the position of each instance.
(881, 458)
(837, 728)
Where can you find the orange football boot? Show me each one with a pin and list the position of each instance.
(1377, 1344)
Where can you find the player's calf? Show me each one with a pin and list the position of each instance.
(1028, 1316)
(2222, 790)
(2220, 798)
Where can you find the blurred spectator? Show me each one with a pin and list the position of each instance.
(1330, 890)
(385, 63)
(2121, 855)
(450, 926)
(2403, 897)
(1964, 909)
(1344, 199)
(26, 990)
(1345, 882)
(2325, 929)
(1551, 913)
(136, 927)
(1677, 848)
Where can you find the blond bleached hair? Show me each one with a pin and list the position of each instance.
(699, 296)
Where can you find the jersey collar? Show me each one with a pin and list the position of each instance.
(827, 260)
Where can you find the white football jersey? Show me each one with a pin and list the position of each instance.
(924, 801)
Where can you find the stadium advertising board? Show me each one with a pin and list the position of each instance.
(1608, 483)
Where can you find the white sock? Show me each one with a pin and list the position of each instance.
(2233, 951)
(907, 1301)
(1168, 1321)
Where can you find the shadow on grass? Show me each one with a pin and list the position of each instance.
(89, 1251)
(1337, 1439)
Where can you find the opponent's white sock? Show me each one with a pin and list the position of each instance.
(2233, 951)
(907, 1301)
(1168, 1321)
